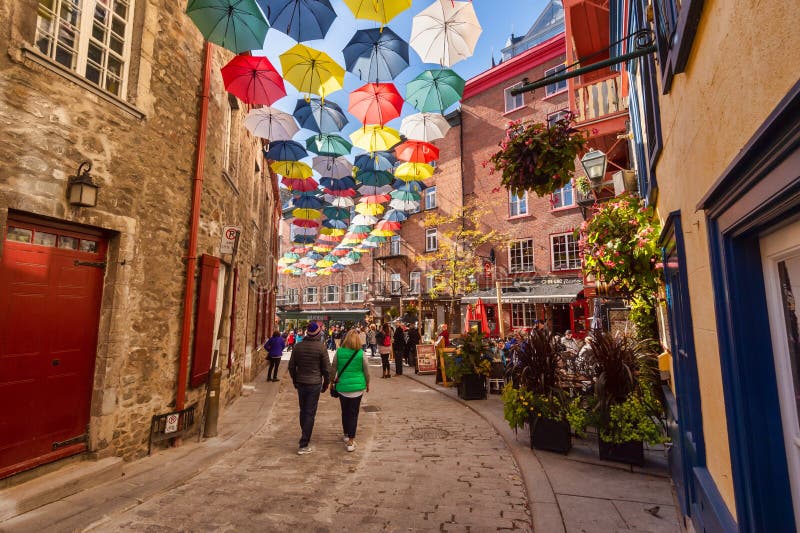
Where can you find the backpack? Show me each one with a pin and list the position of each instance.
(387, 340)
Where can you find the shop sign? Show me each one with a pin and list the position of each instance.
(426, 358)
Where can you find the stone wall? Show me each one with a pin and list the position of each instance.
(143, 151)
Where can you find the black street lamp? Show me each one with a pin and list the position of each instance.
(81, 189)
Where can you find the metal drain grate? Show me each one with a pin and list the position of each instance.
(370, 408)
(429, 434)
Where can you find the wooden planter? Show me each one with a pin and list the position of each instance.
(630, 452)
(472, 387)
(551, 435)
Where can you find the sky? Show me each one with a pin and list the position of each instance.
(498, 18)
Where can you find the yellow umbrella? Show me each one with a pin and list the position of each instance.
(311, 71)
(382, 232)
(378, 10)
(307, 214)
(370, 209)
(335, 232)
(375, 138)
(322, 263)
(413, 171)
(322, 248)
(292, 169)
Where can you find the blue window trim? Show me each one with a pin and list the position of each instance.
(759, 191)
(675, 32)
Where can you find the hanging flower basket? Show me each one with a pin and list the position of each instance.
(537, 157)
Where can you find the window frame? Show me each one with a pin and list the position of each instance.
(431, 233)
(395, 283)
(511, 269)
(293, 296)
(577, 251)
(326, 293)
(414, 282)
(554, 206)
(395, 245)
(507, 95)
(430, 282)
(555, 116)
(308, 291)
(675, 30)
(555, 69)
(348, 293)
(430, 193)
(520, 201)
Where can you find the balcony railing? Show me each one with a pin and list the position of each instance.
(599, 98)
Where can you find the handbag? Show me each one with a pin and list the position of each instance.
(334, 392)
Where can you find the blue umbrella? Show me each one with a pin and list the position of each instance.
(376, 54)
(302, 20)
(285, 151)
(321, 117)
(304, 239)
(337, 266)
(409, 186)
(238, 25)
(374, 177)
(337, 213)
(334, 224)
(338, 185)
(307, 202)
(376, 161)
(393, 215)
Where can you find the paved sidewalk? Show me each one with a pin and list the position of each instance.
(579, 492)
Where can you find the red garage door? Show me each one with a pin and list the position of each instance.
(51, 281)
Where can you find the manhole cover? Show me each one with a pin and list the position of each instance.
(371, 408)
(429, 434)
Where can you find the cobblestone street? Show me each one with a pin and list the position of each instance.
(423, 462)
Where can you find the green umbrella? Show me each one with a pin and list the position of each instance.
(238, 25)
(435, 90)
(328, 144)
(404, 195)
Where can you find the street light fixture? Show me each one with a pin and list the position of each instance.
(594, 164)
(81, 189)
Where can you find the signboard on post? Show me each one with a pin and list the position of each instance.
(426, 358)
(171, 425)
(228, 239)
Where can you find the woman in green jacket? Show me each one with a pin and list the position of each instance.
(351, 383)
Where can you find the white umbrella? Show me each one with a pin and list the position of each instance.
(333, 167)
(372, 190)
(445, 32)
(270, 123)
(339, 201)
(404, 205)
(424, 127)
(363, 220)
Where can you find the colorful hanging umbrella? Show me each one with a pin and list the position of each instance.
(378, 10)
(307, 238)
(334, 224)
(404, 205)
(374, 238)
(374, 177)
(445, 32)
(305, 223)
(417, 152)
(374, 199)
(299, 184)
(409, 186)
(238, 25)
(332, 166)
(307, 202)
(328, 144)
(302, 20)
(323, 117)
(350, 259)
(404, 195)
(376, 54)
(373, 138)
(339, 201)
(253, 80)
(359, 228)
(285, 151)
(271, 123)
(375, 103)
(393, 215)
(311, 71)
(388, 225)
(383, 161)
(413, 171)
(435, 90)
(292, 169)
(370, 209)
(364, 220)
(338, 185)
(424, 126)
(340, 252)
(290, 257)
(349, 192)
(336, 213)
(331, 236)
(370, 190)
(307, 213)
(368, 244)
(324, 262)
(383, 232)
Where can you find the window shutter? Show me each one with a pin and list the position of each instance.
(206, 315)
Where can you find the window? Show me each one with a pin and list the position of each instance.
(394, 245)
(564, 251)
(517, 205)
(557, 87)
(675, 24)
(431, 240)
(413, 282)
(292, 296)
(91, 37)
(513, 102)
(354, 292)
(231, 134)
(561, 114)
(430, 198)
(563, 197)
(396, 283)
(310, 295)
(331, 295)
(522, 315)
(430, 282)
(521, 256)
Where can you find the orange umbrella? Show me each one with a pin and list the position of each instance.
(417, 152)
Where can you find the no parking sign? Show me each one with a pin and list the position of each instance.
(228, 239)
(172, 423)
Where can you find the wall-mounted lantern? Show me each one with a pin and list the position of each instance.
(594, 164)
(81, 189)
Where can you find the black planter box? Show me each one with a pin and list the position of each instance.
(630, 452)
(551, 435)
(472, 387)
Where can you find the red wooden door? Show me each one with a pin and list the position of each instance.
(49, 312)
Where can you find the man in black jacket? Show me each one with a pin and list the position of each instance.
(411, 346)
(399, 348)
(309, 367)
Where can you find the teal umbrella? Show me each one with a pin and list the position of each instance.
(435, 90)
(404, 195)
(238, 25)
(328, 144)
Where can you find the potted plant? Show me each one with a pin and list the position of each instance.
(469, 367)
(624, 408)
(537, 157)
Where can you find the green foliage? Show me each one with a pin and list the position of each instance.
(537, 157)
(577, 415)
(392, 312)
(469, 359)
(582, 184)
(635, 419)
(517, 405)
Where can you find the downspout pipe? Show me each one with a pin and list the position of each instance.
(191, 256)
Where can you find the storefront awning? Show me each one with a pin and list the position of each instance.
(547, 292)
(324, 314)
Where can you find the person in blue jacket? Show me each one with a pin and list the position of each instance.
(274, 347)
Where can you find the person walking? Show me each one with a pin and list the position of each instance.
(372, 343)
(362, 337)
(399, 347)
(309, 368)
(384, 338)
(413, 339)
(351, 379)
(290, 338)
(274, 347)
(337, 335)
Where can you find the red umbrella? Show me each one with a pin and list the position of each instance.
(388, 225)
(480, 314)
(374, 199)
(344, 192)
(417, 152)
(305, 223)
(470, 316)
(302, 185)
(376, 103)
(253, 80)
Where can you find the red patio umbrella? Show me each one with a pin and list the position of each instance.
(470, 316)
(480, 314)
(376, 103)
(253, 80)
(416, 152)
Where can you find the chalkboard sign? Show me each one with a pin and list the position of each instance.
(426, 358)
